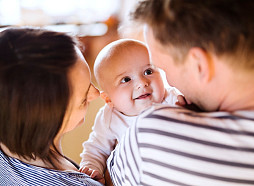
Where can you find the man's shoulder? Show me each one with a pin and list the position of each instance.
(162, 114)
(164, 110)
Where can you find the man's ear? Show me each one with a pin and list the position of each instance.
(203, 63)
(107, 100)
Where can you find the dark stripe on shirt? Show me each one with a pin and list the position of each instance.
(231, 117)
(243, 165)
(232, 180)
(128, 164)
(199, 125)
(117, 165)
(131, 147)
(164, 179)
(196, 114)
(116, 177)
(189, 139)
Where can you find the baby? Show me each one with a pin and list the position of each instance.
(129, 84)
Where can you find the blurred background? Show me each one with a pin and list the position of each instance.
(95, 23)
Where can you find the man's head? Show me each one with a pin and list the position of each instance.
(128, 80)
(186, 38)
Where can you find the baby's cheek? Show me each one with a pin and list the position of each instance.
(126, 106)
(158, 97)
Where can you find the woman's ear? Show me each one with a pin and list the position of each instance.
(203, 63)
(107, 100)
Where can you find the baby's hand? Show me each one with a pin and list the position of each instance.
(94, 174)
(181, 101)
(187, 104)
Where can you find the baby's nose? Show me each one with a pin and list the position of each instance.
(142, 82)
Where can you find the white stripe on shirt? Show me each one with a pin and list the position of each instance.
(177, 146)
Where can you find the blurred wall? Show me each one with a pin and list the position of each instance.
(72, 141)
(118, 27)
(91, 46)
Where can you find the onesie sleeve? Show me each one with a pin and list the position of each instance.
(100, 143)
(171, 96)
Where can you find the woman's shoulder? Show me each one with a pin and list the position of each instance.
(13, 171)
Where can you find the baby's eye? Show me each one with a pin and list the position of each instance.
(148, 71)
(125, 79)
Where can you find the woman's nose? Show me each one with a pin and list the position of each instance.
(93, 93)
(142, 82)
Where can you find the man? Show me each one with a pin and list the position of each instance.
(206, 49)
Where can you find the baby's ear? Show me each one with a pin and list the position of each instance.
(105, 97)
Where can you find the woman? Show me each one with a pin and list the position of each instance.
(45, 89)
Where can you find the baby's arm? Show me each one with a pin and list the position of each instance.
(187, 104)
(98, 147)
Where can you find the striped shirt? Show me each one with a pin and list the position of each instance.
(15, 172)
(175, 146)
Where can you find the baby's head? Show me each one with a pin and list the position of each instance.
(128, 81)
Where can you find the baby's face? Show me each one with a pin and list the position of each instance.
(132, 83)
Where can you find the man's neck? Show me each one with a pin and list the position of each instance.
(240, 94)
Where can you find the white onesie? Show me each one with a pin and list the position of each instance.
(109, 127)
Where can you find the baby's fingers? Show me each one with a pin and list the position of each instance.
(85, 170)
(181, 100)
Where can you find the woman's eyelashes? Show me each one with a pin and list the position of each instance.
(84, 102)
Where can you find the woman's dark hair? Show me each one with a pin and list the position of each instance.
(34, 89)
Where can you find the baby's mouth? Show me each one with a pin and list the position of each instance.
(143, 96)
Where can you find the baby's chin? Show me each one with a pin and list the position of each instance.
(137, 111)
